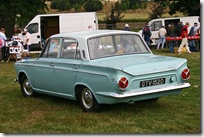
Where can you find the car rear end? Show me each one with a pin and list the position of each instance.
(150, 78)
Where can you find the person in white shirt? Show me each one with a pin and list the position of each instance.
(27, 39)
(162, 37)
(3, 43)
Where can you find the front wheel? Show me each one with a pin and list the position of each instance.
(26, 88)
(88, 101)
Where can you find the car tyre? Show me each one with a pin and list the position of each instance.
(88, 101)
(26, 88)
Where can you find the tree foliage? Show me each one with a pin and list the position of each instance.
(114, 16)
(157, 9)
(131, 4)
(136, 4)
(19, 12)
(61, 5)
(91, 5)
(122, 5)
(187, 7)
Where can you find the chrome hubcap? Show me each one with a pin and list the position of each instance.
(27, 88)
(87, 98)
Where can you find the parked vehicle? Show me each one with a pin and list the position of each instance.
(156, 24)
(43, 26)
(98, 67)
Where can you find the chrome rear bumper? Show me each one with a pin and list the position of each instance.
(143, 92)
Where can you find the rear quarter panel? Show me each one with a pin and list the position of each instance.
(24, 67)
(99, 79)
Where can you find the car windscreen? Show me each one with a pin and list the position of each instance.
(114, 45)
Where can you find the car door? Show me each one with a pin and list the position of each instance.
(155, 26)
(34, 31)
(44, 68)
(66, 67)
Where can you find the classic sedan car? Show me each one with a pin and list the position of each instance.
(99, 67)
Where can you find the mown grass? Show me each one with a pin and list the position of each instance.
(176, 114)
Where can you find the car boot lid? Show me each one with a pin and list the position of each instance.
(142, 64)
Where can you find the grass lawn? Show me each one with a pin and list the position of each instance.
(176, 114)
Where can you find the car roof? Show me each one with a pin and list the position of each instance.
(92, 33)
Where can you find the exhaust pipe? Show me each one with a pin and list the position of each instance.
(131, 102)
(16, 79)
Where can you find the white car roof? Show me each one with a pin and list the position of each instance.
(92, 33)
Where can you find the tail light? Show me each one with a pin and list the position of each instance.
(185, 74)
(123, 83)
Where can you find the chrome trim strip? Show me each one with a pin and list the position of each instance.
(137, 93)
(53, 93)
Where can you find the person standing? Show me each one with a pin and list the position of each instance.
(127, 28)
(27, 39)
(162, 37)
(184, 36)
(198, 31)
(3, 43)
(193, 32)
(178, 30)
(146, 33)
(172, 33)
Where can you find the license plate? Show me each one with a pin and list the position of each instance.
(152, 82)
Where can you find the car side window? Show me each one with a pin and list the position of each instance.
(52, 48)
(156, 25)
(70, 49)
(33, 28)
(101, 47)
(114, 45)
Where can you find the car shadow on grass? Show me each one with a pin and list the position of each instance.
(67, 104)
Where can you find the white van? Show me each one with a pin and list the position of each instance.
(43, 26)
(156, 24)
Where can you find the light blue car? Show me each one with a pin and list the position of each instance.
(99, 67)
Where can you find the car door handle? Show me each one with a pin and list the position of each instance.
(52, 65)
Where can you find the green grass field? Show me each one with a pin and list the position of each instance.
(176, 114)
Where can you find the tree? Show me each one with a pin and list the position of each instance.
(91, 5)
(132, 4)
(187, 7)
(114, 17)
(136, 4)
(79, 2)
(123, 5)
(76, 7)
(67, 4)
(157, 9)
(61, 5)
(20, 12)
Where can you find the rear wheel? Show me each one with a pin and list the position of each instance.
(26, 88)
(88, 101)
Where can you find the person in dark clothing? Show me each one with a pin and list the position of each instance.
(193, 32)
(178, 30)
(171, 33)
(146, 33)
(198, 31)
